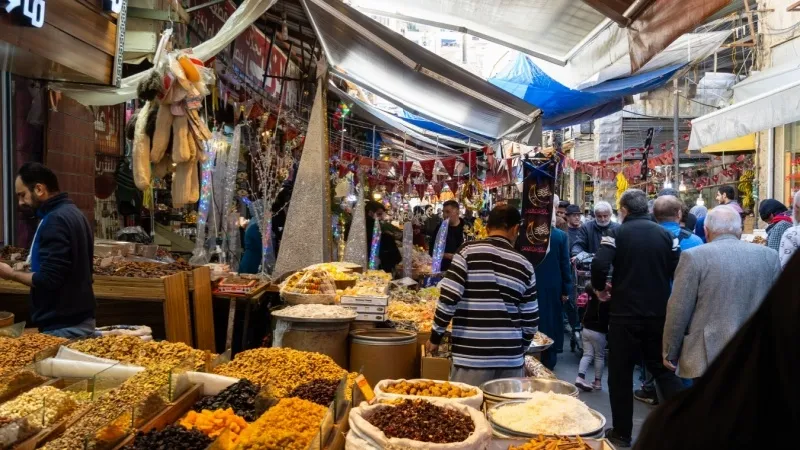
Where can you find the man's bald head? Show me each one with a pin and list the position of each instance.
(667, 209)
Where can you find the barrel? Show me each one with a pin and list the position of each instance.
(383, 354)
(6, 319)
(326, 337)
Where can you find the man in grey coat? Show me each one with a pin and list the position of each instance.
(717, 287)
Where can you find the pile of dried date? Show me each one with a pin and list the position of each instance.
(420, 420)
(138, 269)
(320, 392)
(241, 397)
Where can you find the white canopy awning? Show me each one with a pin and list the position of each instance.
(770, 109)
(766, 81)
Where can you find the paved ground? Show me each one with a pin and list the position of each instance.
(567, 370)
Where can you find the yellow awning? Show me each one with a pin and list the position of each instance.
(739, 144)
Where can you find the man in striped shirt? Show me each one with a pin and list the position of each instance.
(489, 293)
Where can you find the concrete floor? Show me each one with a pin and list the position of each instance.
(567, 370)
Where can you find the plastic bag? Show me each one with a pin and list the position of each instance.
(365, 436)
(309, 286)
(474, 401)
(134, 234)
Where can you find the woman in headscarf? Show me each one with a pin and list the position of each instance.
(699, 228)
(779, 219)
(791, 237)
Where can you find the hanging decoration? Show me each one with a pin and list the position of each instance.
(229, 188)
(408, 249)
(356, 250)
(200, 254)
(375, 246)
(340, 240)
(472, 194)
(438, 247)
(746, 188)
(427, 168)
(537, 207)
(622, 186)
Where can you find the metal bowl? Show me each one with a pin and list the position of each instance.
(498, 389)
(499, 429)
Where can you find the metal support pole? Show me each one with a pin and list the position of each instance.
(269, 59)
(676, 119)
(341, 140)
(372, 150)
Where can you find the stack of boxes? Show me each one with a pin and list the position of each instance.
(370, 308)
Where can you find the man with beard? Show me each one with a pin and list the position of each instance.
(62, 298)
(588, 240)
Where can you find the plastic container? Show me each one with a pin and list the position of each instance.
(383, 354)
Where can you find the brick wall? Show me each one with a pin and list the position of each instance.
(70, 152)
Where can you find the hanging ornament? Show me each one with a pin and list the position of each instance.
(438, 247)
(375, 246)
(472, 194)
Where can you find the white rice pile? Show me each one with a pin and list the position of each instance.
(547, 413)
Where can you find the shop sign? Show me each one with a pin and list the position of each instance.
(31, 12)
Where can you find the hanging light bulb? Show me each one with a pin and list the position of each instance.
(682, 186)
(700, 201)
(377, 196)
(668, 185)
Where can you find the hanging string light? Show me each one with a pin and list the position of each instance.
(438, 247)
(375, 246)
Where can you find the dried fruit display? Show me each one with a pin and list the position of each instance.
(214, 423)
(320, 392)
(171, 437)
(282, 369)
(289, 425)
(240, 396)
(422, 421)
(138, 269)
(133, 350)
(430, 389)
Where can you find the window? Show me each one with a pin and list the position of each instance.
(791, 161)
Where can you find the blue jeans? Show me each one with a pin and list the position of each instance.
(83, 329)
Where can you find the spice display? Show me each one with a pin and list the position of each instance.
(57, 405)
(547, 413)
(549, 443)
(240, 396)
(115, 409)
(133, 350)
(430, 389)
(11, 253)
(422, 421)
(138, 269)
(171, 437)
(19, 352)
(289, 425)
(320, 392)
(312, 311)
(310, 282)
(283, 369)
(213, 423)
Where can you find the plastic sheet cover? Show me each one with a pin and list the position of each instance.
(365, 52)
(563, 106)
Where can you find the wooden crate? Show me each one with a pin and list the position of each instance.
(202, 301)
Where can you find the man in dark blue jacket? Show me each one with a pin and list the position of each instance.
(62, 299)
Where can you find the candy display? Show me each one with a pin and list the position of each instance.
(336, 271)
(420, 315)
(171, 437)
(316, 312)
(289, 425)
(365, 287)
(214, 423)
(548, 414)
(133, 350)
(240, 397)
(422, 421)
(320, 392)
(309, 282)
(429, 389)
(282, 369)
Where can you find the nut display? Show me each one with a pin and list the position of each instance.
(282, 369)
(19, 352)
(320, 392)
(57, 405)
(172, 437)
(422, 421)
(112, 412)
(240, 396)
(550, 443)
(289, 425)
(430, 389)
(138, 269)
(214, 423)
(133, 350)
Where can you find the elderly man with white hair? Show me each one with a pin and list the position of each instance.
(790, 241)
(717, 288)
(590, 234)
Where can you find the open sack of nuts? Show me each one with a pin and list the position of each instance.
(418, 424)
(445, 391)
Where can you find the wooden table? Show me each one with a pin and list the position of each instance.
(254, 297)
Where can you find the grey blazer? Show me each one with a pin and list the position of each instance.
(717, 287)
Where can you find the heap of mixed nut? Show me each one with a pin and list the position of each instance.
(133, 350)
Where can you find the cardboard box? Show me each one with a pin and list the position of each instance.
(434, 368)
(366, 309)
(371, 318)
(379, 300)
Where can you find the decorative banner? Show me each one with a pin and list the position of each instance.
(375, 246)
(453, 185)
(438, 247)
(471, 160)
(437, 187)
(408, 249)
(385, 166)
(348, 157)
(421, 189)
(427, 168)
(537, 208)
(404, 169)
(372, 182)
(449, 165)
(356, 249)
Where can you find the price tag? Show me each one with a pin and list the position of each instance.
(366, 390)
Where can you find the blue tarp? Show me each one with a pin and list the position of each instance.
(562, 106)
(426, 124)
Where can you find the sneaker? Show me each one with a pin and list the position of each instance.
(597, 385)
(646, 397)
(583, 385)
(617, 440)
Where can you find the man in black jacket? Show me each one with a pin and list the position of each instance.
(62, 298)
(644, 257)
(590, 233)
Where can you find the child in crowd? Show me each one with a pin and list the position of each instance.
(595, 329)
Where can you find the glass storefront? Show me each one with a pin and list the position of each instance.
(791, 133)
